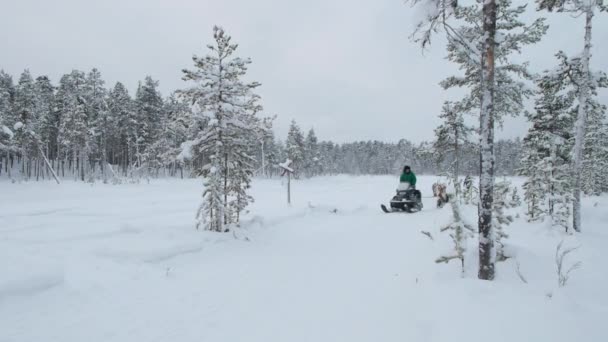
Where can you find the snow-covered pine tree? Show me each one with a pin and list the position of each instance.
(268, 154)
(468, 189)
(595, 162)
(534, 190)
(25, 121)
(492, 34)
(547, 147)
(265, 151)
(149, 108)
(44, 142)
(295, 147)
(122, 121)
(515, 198)
(500, 218)
(222, 95)
(312, 161)
(326, 155)
(97, 116)
(459, 231)
(7, 94)
(512, 34)
(49, 122)
(74, 136)
(242, 165)
(450, 136)
(584, 84)
(173, 131)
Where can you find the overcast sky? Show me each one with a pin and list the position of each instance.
(344, 67)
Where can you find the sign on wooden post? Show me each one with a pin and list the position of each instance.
(287, 170)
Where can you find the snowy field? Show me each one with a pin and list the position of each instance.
(100, 262)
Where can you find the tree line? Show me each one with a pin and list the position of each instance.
(89, 132)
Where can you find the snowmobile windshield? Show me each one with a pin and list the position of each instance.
(403, 186)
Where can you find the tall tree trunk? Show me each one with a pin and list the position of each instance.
(48, 164)
(83, 165)
(581, 121)
(486, 169)
(456, 164)
(226, 171)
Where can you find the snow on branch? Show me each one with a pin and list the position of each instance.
(432, 15)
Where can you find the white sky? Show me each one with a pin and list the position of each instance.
(344, 67)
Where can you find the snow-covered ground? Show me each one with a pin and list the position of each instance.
(100, 262)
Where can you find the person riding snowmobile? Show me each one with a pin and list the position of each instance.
(408, 177)
(407, 199)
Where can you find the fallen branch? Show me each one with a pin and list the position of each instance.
(427, 234)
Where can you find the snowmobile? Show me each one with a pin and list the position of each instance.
(407, 199)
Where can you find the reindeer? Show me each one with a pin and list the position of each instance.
(440, 191)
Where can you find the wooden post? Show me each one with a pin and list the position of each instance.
(287, 170)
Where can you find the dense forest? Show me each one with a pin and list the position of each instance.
(88, 131)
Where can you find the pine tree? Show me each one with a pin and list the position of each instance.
(595, 162)
(173, 132)
(492, 34)
(465, 44)
(96, 97)
(7, 93)
(295, 147)
(311, 152)
(149, 107)
(534, 190)
(548, 147)
(123, 125)
(268, 153)
(226, 142)
(459, 231)
(450, 136)
(47, 116)
(26, 122)
(500, 217)
(584, 82)
(74, 136)
(265, 152)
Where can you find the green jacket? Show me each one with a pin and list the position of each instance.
(409, 178)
